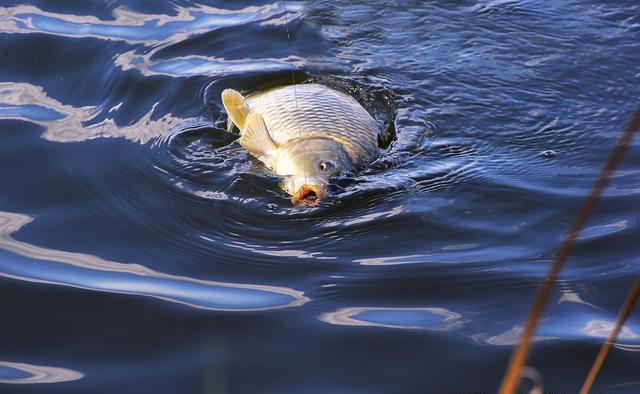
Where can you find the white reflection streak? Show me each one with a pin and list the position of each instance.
(301, 254)
(366, 218)
(139, 28)
(511, 337)
(570, 296)
(348, 317)
(393, 260)
(12, 222)
(604, 229)
(449, 257)
(191, 65)
(40, 374)
(71, 127)
(11, 19)
(602, 329)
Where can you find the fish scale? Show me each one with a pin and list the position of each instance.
(320, 112)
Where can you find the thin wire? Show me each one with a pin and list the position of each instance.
(519, 356)
(625, 311)
(293, 76)
(295, 98)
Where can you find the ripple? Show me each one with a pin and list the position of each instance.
(20, 373)
(204, 163)
(195, 65)
(467, 205)
(511, 337)
(602, 329)
(477, 255)
(604, 229)
(65, 123)
(579, 325)
(433, 319)
(93, 273)
(365, 217)
(277, 251)
(131, 26)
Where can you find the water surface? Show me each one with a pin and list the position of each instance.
(142, 250)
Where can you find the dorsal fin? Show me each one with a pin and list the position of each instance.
(236, 107)
(255, 137)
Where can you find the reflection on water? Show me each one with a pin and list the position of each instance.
(510, 337)
(65, 123)
(157, 32)
(581, 326)
(436, 319)
(366, 218)
(602, 329)
(94, 273)
(200, 65)
(450, 256)
(20, 373)
(278, 251)
(131, 26)
(570, 296)
(112, 143)
(604, 229)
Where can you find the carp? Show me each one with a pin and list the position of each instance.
(306, 133)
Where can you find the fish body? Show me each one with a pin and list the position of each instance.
(306, 133)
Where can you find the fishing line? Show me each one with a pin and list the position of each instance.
(295, 98)
(293, 77)
(519, 356)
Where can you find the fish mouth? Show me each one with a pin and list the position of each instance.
(307, 195)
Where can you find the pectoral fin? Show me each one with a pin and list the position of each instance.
(236, 107)
(255, 137)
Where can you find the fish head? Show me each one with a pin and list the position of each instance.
(308, 166)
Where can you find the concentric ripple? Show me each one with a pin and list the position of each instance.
(437, 319)
(140, 241)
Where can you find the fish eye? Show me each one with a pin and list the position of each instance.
(326, 165)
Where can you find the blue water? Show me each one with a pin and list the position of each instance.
(143, 251)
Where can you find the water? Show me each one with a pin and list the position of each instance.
(142, 251)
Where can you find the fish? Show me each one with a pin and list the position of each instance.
(308, 134)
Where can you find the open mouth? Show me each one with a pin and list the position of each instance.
(307, 195)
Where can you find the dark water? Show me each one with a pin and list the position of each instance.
(142, 251)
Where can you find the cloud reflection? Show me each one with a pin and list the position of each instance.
(94, 273)
(157, 32)
(197, 65)
(435, 319)
(574, 327)
(65, 123)
(570, 296)
(602, 329)
(510, 337)
(20, 373)
(135, 27)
